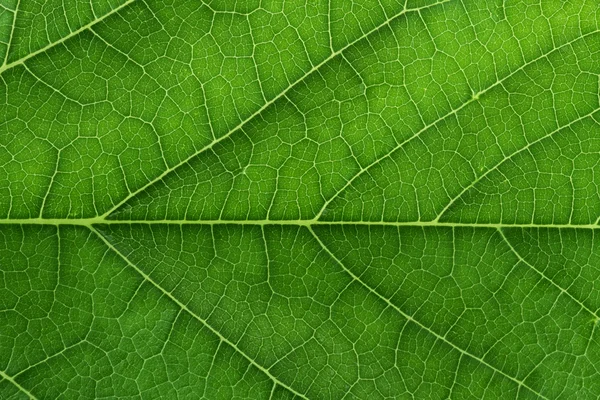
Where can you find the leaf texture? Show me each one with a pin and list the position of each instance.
(286, 199)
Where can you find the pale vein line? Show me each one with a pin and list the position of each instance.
(473, 98)
(52, 179)
(212, 363)
(50, 357)
(21, 388)
(272, 390)
(20, 61)
(565, 291)
(330, 31)
(264, 106)
(190, 312)
(424, 327)
(12, 33)
(305, 222)
(509, 157)
(268, 222)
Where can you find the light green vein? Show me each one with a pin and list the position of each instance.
(540, 273)
(22, 60)
(265, 106)
(509, 157)
(194, 315)
(306, 222)
(474, 97)
(12, 33)
(52, 356)
(21, 388)
(422, 326)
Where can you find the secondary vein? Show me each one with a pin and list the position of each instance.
(20, 61)
(193, 314)
(263, 107)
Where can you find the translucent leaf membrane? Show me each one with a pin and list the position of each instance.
(80, 322)
(36, 24)
(326, 311)
(7, 15)
(291, 199)
(328, 330)
(394, 131)
(107, 111)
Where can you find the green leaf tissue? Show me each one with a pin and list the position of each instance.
(291, 199)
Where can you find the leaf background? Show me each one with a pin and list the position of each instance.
(286, 199)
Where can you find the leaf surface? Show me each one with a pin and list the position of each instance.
(282, 199)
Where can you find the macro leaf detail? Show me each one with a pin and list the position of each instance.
(288, 199)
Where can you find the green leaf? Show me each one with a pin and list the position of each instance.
(287, 199)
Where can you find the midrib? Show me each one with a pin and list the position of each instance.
(305, 222)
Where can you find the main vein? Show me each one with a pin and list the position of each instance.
(299, 222)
